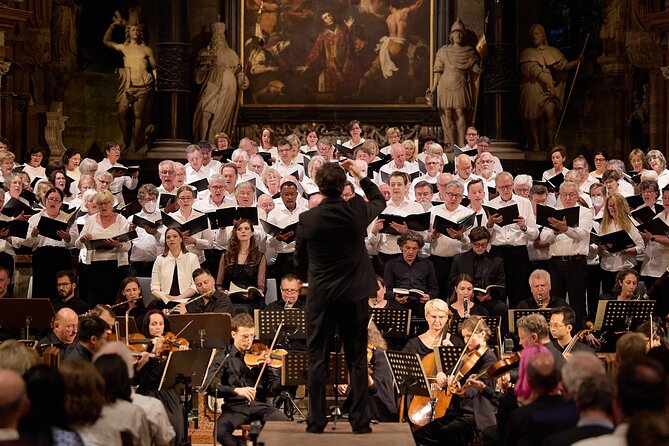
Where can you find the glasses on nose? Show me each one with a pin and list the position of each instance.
(63, 285)
(431, 163)
(556, 325)
(569, 195)
(185, 198)
(289, 290)
(600, 160)
(480, 245)
(504, 187)
(453, 196)
(487, 161)
(53, 200)
(217, 187)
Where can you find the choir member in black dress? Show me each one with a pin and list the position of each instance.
(438, 318)
(234, 381)
(244, 265)
(461, 302)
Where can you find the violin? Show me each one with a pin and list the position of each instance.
(261, 354)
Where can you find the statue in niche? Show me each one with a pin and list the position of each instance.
(221, 76)
(543, 71)
(456, 82)
(137, 83)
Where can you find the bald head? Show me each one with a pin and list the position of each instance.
(65, 325)
(13, 400)
(542, 374)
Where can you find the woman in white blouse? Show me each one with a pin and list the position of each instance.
(107, 265)
(197, 242)
(33, 167)
(656, 255)
(71, 160)
(617, 218)
(172, 275)
(87, 208)
(113, 152)
(50, 254)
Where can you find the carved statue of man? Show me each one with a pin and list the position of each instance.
(221, 76)
(137, 83)
(543, 71)
(456, 69)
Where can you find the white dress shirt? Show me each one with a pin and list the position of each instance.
(387, 243)
(280, 216)
(575, 241)
(512, 235)
(203, 240)
(147, 247)
(615, 261)
(289, 169)
(443, 245)
(162, 431)
(41, 241)
(116, 186)
(656, 256)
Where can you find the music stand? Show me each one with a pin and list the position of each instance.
(211, 329)
(393, 323)
(294, 324)
(409, 376)
(516, 314)
(621, 315)
(132, 326)
(185, 367)
(493, 323)
(26, 313)
(446, 357)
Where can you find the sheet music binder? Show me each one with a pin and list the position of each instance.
(619, 315)
(514, 315)
(267, 322)
(393, 323)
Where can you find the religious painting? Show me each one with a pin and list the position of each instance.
(324, 53)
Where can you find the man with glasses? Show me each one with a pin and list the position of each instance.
(66, 285)
(463, 170)
(434, 165)
(522, 185)
(486, 270)
(510, 241)
(93, 335)
(168, 175)
(290, 293)
(443, 247)
(63, 331)
(580, 165)
(483, 146)
(569, 250)
(561, 324)
(241, 159)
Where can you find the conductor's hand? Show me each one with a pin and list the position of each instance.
(401, 299)
(247, 392)
(352, 168)
(378, 225)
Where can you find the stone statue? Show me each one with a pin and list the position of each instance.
(137, 84)
(456, 82)
(543, 71)
(221, 76)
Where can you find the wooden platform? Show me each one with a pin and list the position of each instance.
(277, 433)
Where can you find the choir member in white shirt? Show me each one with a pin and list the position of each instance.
(510, 241)
(271, 182)
(434, 165)
(108, 266)
(597, 197)
(167, 174)
(195, 170)
(6, 165)
(7, 243)
(463, 170)
(296, 155)
(558, 157)
(522, 185)
(286, 165)
(196, 243)
(222, 142)
(325, 149)
(476, 192)
(398, 163)
(311, 143)
(113, 153)
(443, 247)
(87, 166)
(656, 254)
(399, 204)
(580, 165)
(309, 185)
(393, 136)
(569, 250)
(49, 255)
(616, 218)
(180, 174)
(211, 165)
(33, 167)
(284, 214)
(71, 160)
(537, 251)
(483, 146)
(146, 247)
(354, 129)
(613, 179)
(658, 163)
(241, 160)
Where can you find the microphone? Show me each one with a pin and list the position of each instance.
(466, 306)
(541, 300)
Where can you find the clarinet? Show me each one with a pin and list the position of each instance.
(465, 306)
(541, 300)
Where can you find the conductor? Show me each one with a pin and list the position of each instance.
(331, 256)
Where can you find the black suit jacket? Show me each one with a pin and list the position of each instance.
(330, 247)
(492, 270)
(571, 436)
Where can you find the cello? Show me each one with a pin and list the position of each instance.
(424, 409)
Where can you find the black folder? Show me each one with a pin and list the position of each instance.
(508, 213)
(227, 216)
(274, 230)
(141, 221)
(17, 228)
(164, 198)
(545, 212)
(442, 224)
(201, 184)
(47, 227)
(655, 226)
(14, 208)
(415, 222)
(100, 244)
(614, 241)
(634, 201)
(644, 214)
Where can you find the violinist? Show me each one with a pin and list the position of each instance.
(561, 324)
(150, 370)
(238, 384)
(130, 292)
(208, 299)
(438, 318)
(469, 410)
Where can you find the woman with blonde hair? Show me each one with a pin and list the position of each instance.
(617, 218)
(438, 318)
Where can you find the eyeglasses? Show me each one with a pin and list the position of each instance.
(480, 244)
(185, 198)
(289, 290)
(54, 200)
(217, 187)
(432, 163)
(569, 195)
(454, 196)
(62, 285)
(472, 134)
(600, 160)
(556, 325)
(487, 161)
(504, 187)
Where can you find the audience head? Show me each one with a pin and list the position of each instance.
(115, 373)
(46, 392)
(17, 357)
(14, 402)
(631, 347)
(523, 388)
(581, 365)
(641, 386)
(532, 329)
(93, 332)
(84, 393)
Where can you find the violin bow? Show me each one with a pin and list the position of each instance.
(271, 347)
(185, 327)
(464, 350)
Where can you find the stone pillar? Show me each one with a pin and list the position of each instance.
(53, 133)
(4, 69)
(498, 109)
(173, 116)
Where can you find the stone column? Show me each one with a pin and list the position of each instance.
(498, 116)
(4, 69)
(172, 113)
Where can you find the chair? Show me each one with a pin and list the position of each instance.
(270, 291)
(145, 284)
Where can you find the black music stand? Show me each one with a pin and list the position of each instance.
(446, 356)
(294, 325)
(25, 314)
(493, 323)
(621, 315)
(132, 326)
(514, 315)
(294, 373)
(409, 377)
(186, 367)
(208, 330)
(393, 323)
